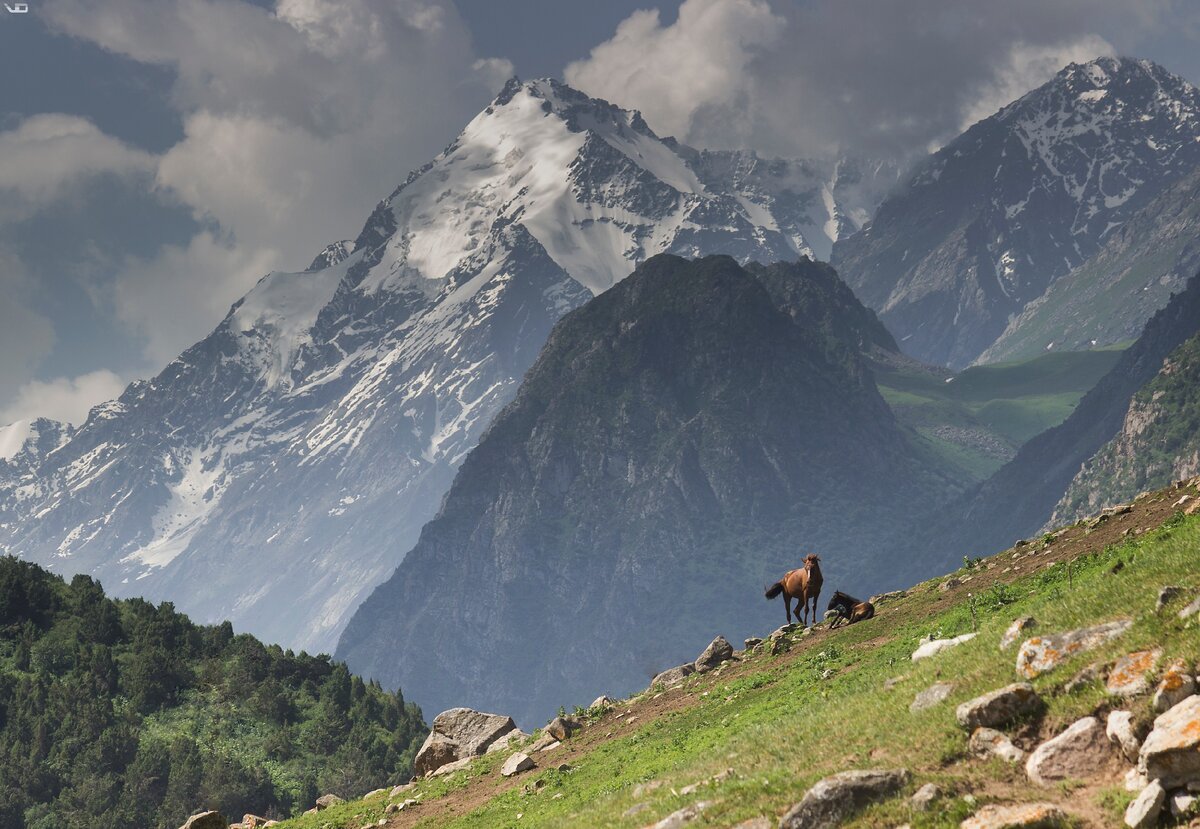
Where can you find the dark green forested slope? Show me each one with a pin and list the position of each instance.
(126, 714)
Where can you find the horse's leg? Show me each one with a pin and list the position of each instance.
(787, 607)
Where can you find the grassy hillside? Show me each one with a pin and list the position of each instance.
(840, 700)
(978, 418)
(123, 713)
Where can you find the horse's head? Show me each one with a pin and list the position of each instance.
(839, 598)
(811, 560)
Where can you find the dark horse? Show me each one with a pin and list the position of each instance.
(803, 584)
(848, 609)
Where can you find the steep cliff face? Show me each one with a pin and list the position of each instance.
(1019, 499)
(678, 442)
(1159, 441)
(989, 222)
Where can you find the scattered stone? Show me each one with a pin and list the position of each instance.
(932, 647)
(718, 651)
(602, 701)
(327, 800)
(988, 742)
(887, 597)
(543, 743)
(1128, 678)
(450, 768)
(678, 818)
(206, 820)
(504, 742)
(836, 798)
(949, 584)
(399, 790)
(457, 734)
(1176, 685)
(1183, 804)
(1192, 609)
(673, 676)
(1171, 752)
(1044, 653)
(1000, 707)
(756, 823)
(250, 821)
(516, 764)
(931, 696)
(924, 797)
(1080, 752)
(1135, 780)
(1022, 816)
(560, 728)
(751, 643)
(1143, 812)
(1167, 595)
(1088, 676)
(1016, 630)
(1119, 730)
(892, 682)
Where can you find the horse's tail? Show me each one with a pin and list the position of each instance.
(774, 590)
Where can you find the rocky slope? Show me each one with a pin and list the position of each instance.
(677, 443)
(1110, 297)
(1019, 499)
(279, 469)
(1159, 441)
(988, 223)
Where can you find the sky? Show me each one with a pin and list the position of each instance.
(157, 159)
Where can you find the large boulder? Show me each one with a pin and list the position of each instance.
(206, 820)
(1079, 753)
(1171, 752)
(717, 652)
(327, 800)
(1000, 707)
(1129, 677)
(834, 799)
(673, 676)
(459, 734)
(1020, 816)
(1044, 653)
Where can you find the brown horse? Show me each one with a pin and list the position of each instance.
(803, 584)
(846, 608)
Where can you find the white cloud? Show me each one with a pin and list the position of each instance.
(45, 155)
(673, 72)
(65, 398)
(26, 336)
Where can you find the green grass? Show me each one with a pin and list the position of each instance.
(786, 724)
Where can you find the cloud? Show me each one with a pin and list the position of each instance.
(65, 398)
(46, 155)
(879, 77)
(26, 336)
(296, 120)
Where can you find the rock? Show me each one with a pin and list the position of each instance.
(893, 681)
(1044, 653)
(1191, 610)
(1166, 595)
(1080, 752)
(327, 800)
(1016, 630)
(786, 630)
(717, 652)
(1183, 804)
(1000, 707)
(516, 764)
(1135, 780)
(1176, 685)
(254, 821)
(550, 746)
(1119, 730)
(1089, 675)
(457, 734)
(1143, 812)
(931, 696)
(1022, 816)
(1171, 752)
(543, 742)
(924, 797)
(504, 742)
(988, 742)
(451, 767)
(678, 818)
(756, 823)
(399, 790)
(1128, 677)
(933, 647)
(673, 676)
(949, 584)
(560, 728)
(836, 798)
(602, 701)
(751, 643)
(636, 809)
(206, 820)
(891, 595)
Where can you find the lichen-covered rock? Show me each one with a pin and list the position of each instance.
(1171, 752)
(832, 800)
(1016, 630)
(1044, 653)
(1176, 685)
(1020, 816)
(1129, 677)
(931, 696)
(1079, 753)
(1119, 730)
(1000, 707)
(1143, 812)
(988, 742)
(717, 652)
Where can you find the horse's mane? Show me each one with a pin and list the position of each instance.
(838, 594)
